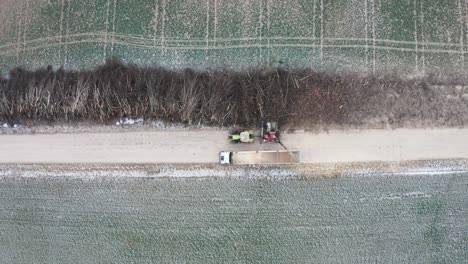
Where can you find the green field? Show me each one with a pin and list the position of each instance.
(410, 36)
(355, 219)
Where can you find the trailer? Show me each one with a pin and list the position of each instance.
(259, 157)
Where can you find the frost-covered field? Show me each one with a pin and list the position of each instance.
(365, 217)
(408, 36)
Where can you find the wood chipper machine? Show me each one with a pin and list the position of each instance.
(270, 132)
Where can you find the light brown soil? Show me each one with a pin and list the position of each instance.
(203, 146)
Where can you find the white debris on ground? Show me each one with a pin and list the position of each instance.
(6, 125)
(130, 124)
(129, 121)
(158, 124)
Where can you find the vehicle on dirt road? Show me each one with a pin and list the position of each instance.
(259, 157)
(270, 132)
(242, 136)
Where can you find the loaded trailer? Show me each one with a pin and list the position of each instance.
(259, 157)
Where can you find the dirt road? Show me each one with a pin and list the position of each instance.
(202, 146)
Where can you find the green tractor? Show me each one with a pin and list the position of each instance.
(242, 136)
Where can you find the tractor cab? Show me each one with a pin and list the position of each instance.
(242, 136)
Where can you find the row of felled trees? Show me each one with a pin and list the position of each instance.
(221, 97)
(115, 89)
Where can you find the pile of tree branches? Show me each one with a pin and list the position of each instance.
(223, 98)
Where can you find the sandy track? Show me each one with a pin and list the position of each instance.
(202, 146)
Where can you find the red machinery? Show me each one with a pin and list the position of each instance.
(270, 132)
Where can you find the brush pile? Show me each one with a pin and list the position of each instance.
(300, 98)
